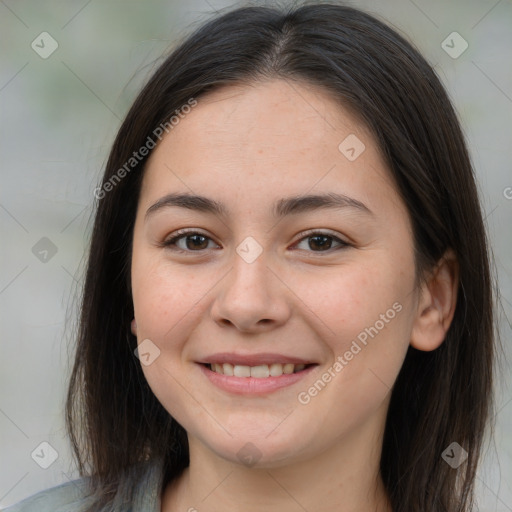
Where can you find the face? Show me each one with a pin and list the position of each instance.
(229, 301)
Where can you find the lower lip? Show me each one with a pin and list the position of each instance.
(253, 385)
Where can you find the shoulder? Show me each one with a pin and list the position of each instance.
(66, 497)
(137, 491)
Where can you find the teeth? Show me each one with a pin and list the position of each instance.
(259, 372)
(241, 371)
(228, 369)
(288, 368)
(276, 370)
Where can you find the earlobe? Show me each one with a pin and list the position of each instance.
(134, 327)
(436, 305)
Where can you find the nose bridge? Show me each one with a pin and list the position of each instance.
(250, 275)
(250, 296)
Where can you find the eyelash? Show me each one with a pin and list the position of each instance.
(183, 233)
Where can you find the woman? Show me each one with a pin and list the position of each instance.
(288, 302)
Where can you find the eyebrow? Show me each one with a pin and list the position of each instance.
(281, 208)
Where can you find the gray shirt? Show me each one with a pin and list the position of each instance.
(139, 491)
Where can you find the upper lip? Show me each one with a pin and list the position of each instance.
(252, 359)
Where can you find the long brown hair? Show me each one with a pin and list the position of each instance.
(114, 420)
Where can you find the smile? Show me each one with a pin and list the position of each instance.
(256, 380)
(261, 371)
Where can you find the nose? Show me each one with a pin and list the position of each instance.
(251, 298)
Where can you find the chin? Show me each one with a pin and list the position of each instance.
(257, 449)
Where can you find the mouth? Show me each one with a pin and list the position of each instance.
(258, 376)
(261, 371)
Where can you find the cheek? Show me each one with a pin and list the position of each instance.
(167, 305)
(366, 314)
(164, 297)
(350, 298)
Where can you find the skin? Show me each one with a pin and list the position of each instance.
(248, 146)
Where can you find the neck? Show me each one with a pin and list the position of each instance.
(345, 476)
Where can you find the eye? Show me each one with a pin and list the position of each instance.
(195, 241)
(322, 241)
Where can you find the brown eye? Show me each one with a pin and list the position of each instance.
(195, 242)
(188, 241)
(322, 242)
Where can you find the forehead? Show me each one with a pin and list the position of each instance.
(262, 139)
(277, 115)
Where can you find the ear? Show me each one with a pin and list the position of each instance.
(133, 326)
(436, 304)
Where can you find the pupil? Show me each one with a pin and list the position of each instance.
(322, 244)
(194, 244)
(197, 243)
